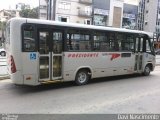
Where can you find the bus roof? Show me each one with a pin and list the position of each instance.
(49, 22)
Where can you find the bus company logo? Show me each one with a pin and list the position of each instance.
(83, 55)
(114, 56)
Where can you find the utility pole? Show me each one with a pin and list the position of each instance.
(47, 1)
(92, 12)
(54, 10)
(50, 9)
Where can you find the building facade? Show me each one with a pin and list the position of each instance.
(140, 17)
(158, 20)
(7, 14)
(43, 9)
(114, 13)
(148, 15)
(4, 16)
(101, 10)
(96, 12)
(130, 13)
(74, 11)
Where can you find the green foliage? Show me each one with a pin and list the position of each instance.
(29, 13)
(2, 25)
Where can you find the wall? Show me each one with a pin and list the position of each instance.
(150, 17)
(113, 20)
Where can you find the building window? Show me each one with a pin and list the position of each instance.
(43, 14)
(43, 7)
(146, 23)
(87, 21)
(147, 1)
(63, 18)
(88, 10)
(147, 11)
(64, 5)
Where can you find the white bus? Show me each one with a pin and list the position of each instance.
(42, 51)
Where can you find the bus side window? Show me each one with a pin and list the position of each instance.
(118, 41)
(112, 42)
(128, 43)
(78, 40)
(148, 47)
(29, 43)
(101, 41)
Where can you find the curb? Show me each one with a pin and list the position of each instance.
(4, 77)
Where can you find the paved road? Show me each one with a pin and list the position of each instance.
(125, 94)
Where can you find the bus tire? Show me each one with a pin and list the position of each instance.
(82, 77)
(147, 70)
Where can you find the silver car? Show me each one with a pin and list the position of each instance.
(2, 52)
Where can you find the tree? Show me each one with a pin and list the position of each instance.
(2, 30)
(29, 13)
(2, 25)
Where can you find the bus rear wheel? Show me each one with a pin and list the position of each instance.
(147, 70)
(82, 77)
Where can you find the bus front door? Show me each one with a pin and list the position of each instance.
(50, 55)
(57, 39)
(44, 55)
(138, 55)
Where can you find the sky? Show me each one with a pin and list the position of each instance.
(135, 2)
(10, 4)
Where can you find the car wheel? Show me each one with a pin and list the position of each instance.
(82, 77)
(3, 53)
(147, 70)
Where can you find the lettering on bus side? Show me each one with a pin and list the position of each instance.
(82, 55)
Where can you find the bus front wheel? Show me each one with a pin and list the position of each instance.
(82, 77)
(147, 70)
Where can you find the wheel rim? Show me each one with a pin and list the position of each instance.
(147, 70)
(82, 77)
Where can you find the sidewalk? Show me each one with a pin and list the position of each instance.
(4, 77)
